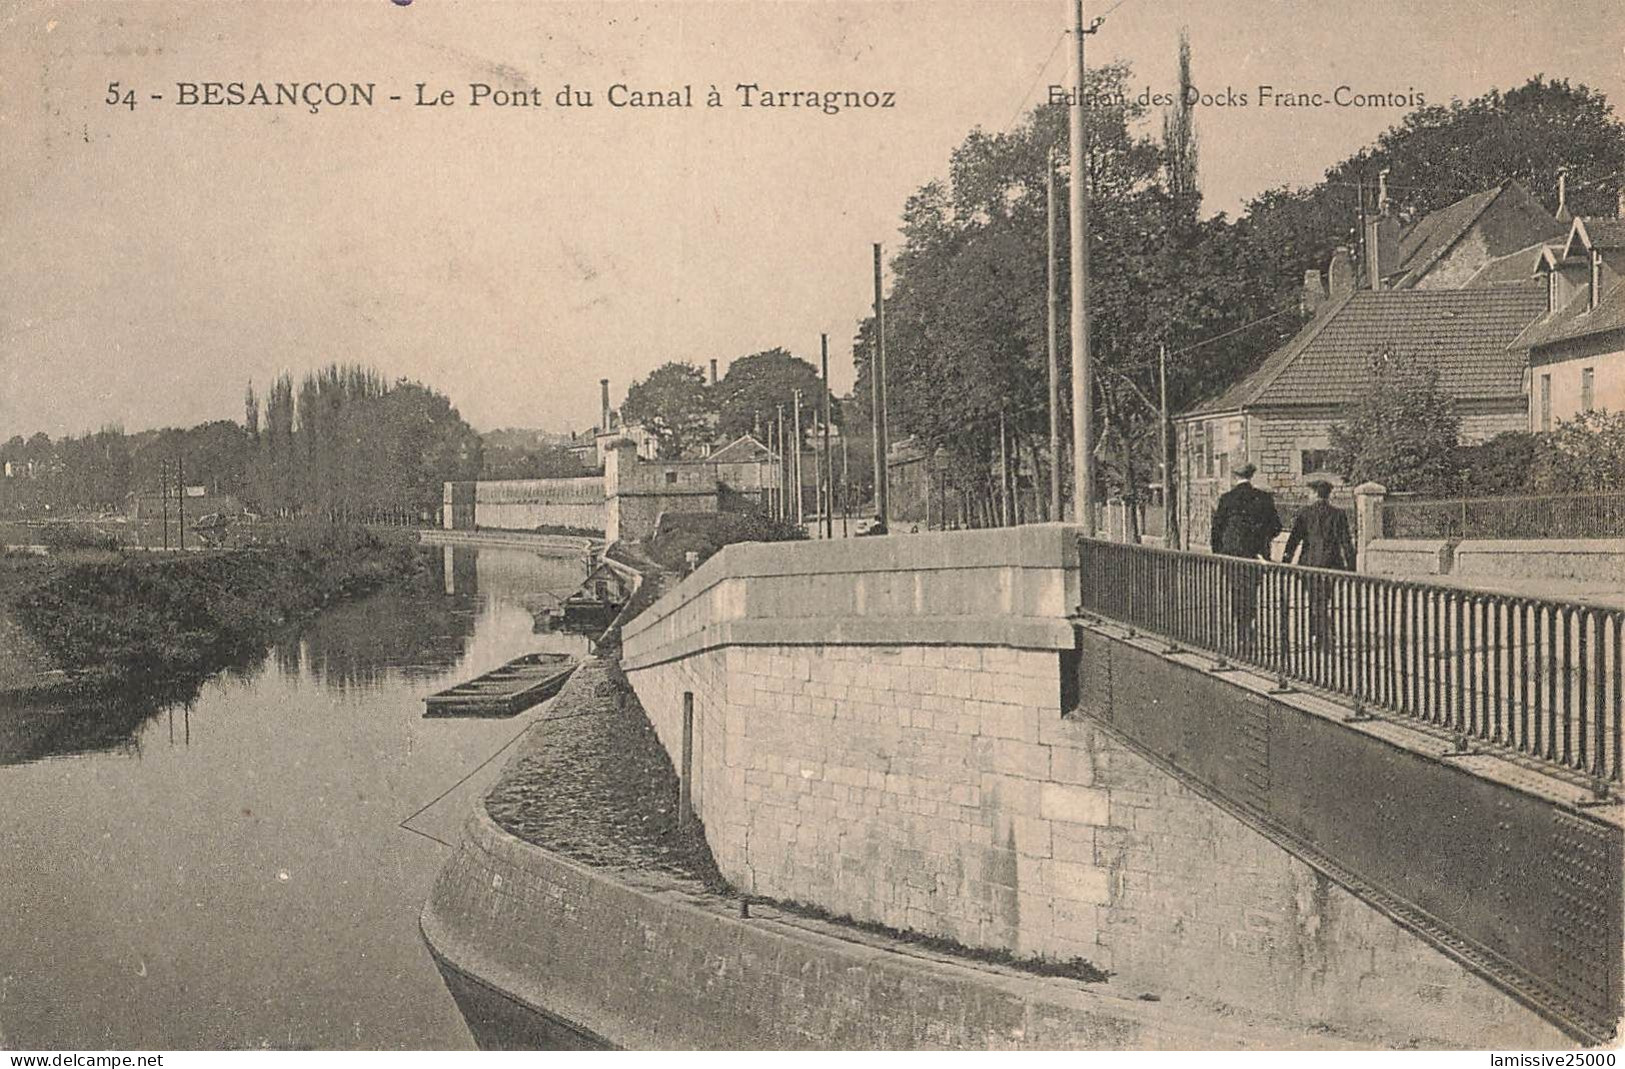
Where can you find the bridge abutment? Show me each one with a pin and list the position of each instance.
(916, 737)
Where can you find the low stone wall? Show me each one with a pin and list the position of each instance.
(540, 543)
(878, 730)
(1582, 560)
(1407, 557)
(1596, 560)
(630, 960)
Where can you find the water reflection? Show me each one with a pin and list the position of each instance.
(224, 868)
(384, 640)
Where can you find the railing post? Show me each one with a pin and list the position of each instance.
(1368, 502)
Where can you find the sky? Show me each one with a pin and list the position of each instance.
(156, 260)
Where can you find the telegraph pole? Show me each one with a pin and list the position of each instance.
(1054, 351)
(829, 459)
(1170, 519)
(163, 498)
(180, 500)
(878, 377)
(1083, 472)
(781, 479)
(846, 488)
(1006, 509)
(795, 400)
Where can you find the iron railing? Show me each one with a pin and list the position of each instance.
(1539, 677)
(1543, 516)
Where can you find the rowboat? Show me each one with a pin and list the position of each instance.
(505, 691)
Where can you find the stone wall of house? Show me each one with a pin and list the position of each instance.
(637, 491)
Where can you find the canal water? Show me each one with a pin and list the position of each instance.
(230, 871)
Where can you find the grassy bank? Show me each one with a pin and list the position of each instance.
(144, 620)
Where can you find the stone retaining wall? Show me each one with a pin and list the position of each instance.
(634, 961)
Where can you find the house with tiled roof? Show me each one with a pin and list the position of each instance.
(746, 466)
(1280, 417)
(1445, 249)
(1575, 351)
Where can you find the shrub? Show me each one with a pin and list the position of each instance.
(1585, 454)
(1403, 430)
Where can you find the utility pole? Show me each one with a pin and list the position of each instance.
(829, 459)
(1170, 515)
(180, 500)
(846, 488)
(1054, 350)
(878, 377)
(795, 401)
(1007, 513)
(163, 498)
(781, 479)
(1083, 461)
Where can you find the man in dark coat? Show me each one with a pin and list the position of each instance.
(1322, 530)
(1244, 524)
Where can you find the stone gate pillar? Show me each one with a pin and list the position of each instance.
(1368, 501)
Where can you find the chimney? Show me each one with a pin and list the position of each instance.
(603, 404)
(1340, 273)
(1563, 215)
(1619, 203)
(1314, 292)
(1382, 191)
(713, 371)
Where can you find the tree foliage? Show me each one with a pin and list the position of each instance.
(1402, 432)
(755, 385)
(676, 406)
(1585, 454)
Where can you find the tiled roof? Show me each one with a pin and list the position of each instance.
(1464, 333)
(742, 450)
(1604, 233)
(1431, 236)
(1577, 319)
(1241, 393)
(1513, 268)
(1425, 242)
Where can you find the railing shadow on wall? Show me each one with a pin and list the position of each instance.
(1536, 677)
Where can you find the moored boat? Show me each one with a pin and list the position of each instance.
(505, 691)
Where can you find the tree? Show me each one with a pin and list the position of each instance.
(755, 385)
(675, 405)
(1179, 138)
(1439, 154)
(1403, 430)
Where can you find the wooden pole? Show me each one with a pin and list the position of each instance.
(180, 500)
(795, 436)
(1006, 513)
(1054, 351)
(829, 460)
(781, 472)
(1083, 474)
(846, 489)
(1170, 515)
(882, 477)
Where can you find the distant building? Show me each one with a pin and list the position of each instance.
(1576, 349)
(637, 491)
(1447, 248)
(149, 505)
(746, 466)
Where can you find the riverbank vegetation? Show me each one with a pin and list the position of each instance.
(144, 620)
